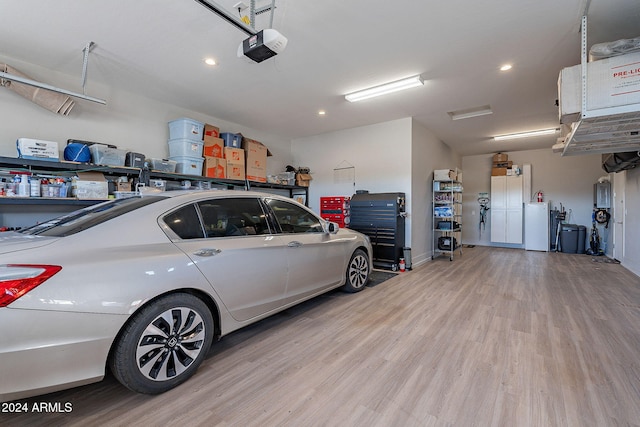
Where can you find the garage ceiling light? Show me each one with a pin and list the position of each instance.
(526, 134)
(385, 89)
(470, 112)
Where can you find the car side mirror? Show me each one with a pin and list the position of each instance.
(331, 227)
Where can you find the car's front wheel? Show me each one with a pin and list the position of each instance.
(357, 272)
(163, 344)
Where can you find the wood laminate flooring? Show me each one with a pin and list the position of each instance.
(498, 337)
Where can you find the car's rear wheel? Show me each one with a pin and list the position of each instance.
(357, 272)
(163, 344)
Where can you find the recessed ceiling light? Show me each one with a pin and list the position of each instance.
(467, 113)
(526, 134)
(506, 67)
(210, 61)
(322, 113)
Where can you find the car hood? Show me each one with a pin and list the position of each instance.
(11, 241)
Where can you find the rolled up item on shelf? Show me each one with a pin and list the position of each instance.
(614, 48)
(56, 102)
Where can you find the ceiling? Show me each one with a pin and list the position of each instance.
(156, 48)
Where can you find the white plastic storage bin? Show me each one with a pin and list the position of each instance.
(162, 165)
(189, 165)
(104, 155)
(186, 128)
(185, 147)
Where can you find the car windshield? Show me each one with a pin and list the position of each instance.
(88, 217)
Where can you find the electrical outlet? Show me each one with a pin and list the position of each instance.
(240, 6)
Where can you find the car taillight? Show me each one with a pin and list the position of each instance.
(18, 279)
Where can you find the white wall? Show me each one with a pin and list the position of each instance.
(396, 156)
(128, 121)
(631, 259)
(566, 180)
(377, 156)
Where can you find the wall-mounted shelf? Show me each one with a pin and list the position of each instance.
(23, 211)
(13, 164)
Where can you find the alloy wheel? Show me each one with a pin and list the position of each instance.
(170, 343)
(358, 273)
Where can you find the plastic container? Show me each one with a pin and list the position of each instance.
(163, 165)
(103, 155)
(125, 194)
(446, 243)
(569, 238)
(231, 139)
(188, 165)
(134, 160)
(582, 236)
(185, 147)
(186, 128)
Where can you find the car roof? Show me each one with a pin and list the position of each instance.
(189, 195)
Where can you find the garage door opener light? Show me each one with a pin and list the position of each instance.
(384, 89)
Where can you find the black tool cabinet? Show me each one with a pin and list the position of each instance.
(381, 216)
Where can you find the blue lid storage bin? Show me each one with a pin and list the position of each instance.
(232, 139)
(186, 128)
(188, 165)
(185, 147)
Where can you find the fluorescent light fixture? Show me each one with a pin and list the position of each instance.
(506, 67)
(470, 112)
(385, 89)
(526, 134)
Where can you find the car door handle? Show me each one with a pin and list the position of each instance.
(294, 244)
(207, 252)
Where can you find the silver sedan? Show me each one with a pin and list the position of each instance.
(145, 285)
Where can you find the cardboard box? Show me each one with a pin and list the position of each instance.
(611, 82)
(499, 171)
(303, 179)
(215, 167)
(89, 185)
(37, 149)
(235, 171)
(123, 186)
(500, 157)
(506, 164)
(255, 160)
(444, 175)
(211, 131)
(234, 155)
(213, 147)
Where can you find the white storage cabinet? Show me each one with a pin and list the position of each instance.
(506, 209)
